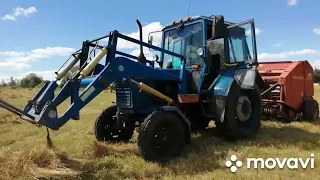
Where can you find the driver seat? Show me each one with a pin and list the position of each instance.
(214, 67)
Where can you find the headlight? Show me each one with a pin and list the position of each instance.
(200, 51)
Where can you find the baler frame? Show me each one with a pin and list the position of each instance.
(288, 87)
(269, 105)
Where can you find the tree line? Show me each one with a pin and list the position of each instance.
(32, 80)
(29, 81)
(316, 73)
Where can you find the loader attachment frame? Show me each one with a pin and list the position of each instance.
(42, 108)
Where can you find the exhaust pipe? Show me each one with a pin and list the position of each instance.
(141, 59)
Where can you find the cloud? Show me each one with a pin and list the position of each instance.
(4, 77)
(135, 48)
(8, 17)
(51, 51)
(154, 26)
(13, 65)
(20, 60)
(257, 31)
(46, 75)
(292, 2)
(316, 30)
(277, 45)
(25, 12)
(147, 53)
(315, 64)
(282, 55)
(19, 11)
(11, 53)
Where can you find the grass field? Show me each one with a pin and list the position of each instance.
(76, 155)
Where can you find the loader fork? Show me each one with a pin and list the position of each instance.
(14, 109)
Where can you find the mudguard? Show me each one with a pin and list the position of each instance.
(243, 75)
(185, 120)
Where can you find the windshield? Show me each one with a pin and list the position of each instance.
(184, 41)
(241, 44)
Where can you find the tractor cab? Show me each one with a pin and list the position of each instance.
(208, 45)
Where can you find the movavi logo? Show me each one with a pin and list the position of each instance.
(272, 163)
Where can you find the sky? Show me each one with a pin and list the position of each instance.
(39, 36)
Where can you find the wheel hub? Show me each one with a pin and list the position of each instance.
(243, 108)
(162, 139)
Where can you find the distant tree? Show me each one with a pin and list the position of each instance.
(31, 81)
(69, 75)
(3, 83)
(12, 82)
(18, 81)
(316, 75)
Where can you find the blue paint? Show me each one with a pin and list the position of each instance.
(116, 69)
(204, 66)
(97, 69)
(86, 81)
(224, 82)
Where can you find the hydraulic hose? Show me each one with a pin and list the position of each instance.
(152, 91)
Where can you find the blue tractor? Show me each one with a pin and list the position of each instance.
(207, 70)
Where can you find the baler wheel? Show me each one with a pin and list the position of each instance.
(247, 124)
(310, 110)
(104, 129)
(162, 136)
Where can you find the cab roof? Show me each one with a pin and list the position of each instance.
(192, 19)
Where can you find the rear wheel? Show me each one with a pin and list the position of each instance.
(107, 128)
(242, 113)
(162, 136)
(310, 110)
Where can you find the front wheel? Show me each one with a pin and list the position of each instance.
(242, 113)
(106, 127)
(162, 136)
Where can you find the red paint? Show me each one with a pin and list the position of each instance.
(295, 77)
(188, 98)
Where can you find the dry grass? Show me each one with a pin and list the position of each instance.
(76, 155)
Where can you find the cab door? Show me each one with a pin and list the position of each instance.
(242, 53)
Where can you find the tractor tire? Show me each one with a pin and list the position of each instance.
(310, 110)
(104, 127)
(233, 127)
(162, 136)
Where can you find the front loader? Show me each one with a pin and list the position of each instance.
(206, 71)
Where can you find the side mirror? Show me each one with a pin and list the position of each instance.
(150, 39)
(218, 27)
(156, 58)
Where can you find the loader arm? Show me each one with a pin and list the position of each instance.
(117, 69)
(42, 108)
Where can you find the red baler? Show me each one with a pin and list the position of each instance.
(289, 90)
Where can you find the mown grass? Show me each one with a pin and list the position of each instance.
(76, 155)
